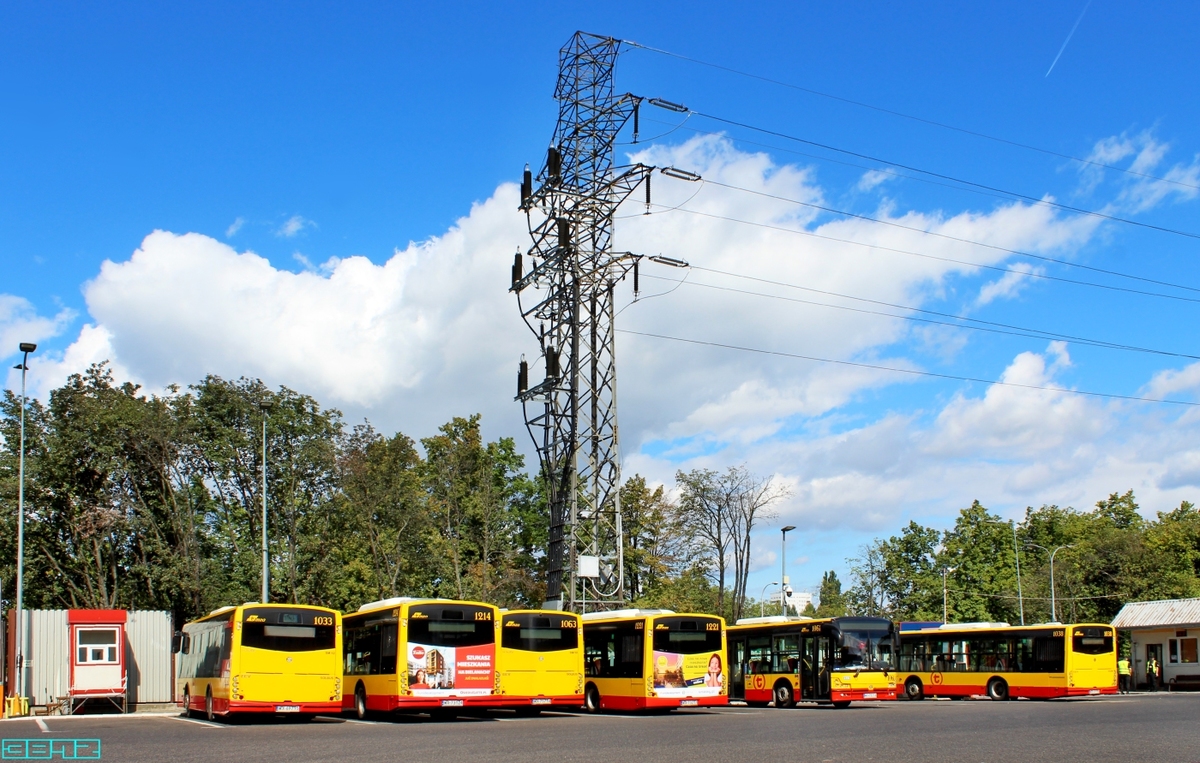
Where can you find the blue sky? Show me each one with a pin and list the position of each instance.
(303, 132)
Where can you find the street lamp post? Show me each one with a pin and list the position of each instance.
(1017, 558)
(1053, 608)
(266, 568)
(25, 348)
(762, 600)
(945, 608)
(783, 579)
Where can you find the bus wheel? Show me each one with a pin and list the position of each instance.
(842, 704)
(187, 704)
(208, 705)
(913, 689)
(360, 701)
(997, 689)
(784, 696)
(591, 699)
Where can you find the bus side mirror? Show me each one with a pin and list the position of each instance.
(176, 642)
(185, 643)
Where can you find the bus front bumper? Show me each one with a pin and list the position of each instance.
(862, 695)
(278, 708)
(558, 700)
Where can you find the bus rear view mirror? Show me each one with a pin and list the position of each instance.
(176, 642)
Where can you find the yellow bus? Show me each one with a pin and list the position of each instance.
(540, 660)
(261, 658)
(423, 655)
(788, 659)
(638, 659)
(1006, 662)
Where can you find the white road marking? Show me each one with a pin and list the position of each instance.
(199, 722)
(42, 725)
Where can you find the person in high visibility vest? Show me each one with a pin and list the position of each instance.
(1152, 672)
(1123, 675)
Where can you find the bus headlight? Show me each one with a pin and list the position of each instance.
(235, 688)
(579, 683)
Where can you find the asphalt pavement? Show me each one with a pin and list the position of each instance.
(1130, 729)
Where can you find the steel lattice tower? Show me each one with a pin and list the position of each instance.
(572, 414)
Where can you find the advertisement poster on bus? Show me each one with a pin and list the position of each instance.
(435, 671)
(688, 675)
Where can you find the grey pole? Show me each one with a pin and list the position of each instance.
(266, 569)
(1017, 556)
(783, 581)
(762, 603)
(945, 609)
(1053, 607)
(26, 348)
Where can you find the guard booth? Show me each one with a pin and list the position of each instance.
(97, 662)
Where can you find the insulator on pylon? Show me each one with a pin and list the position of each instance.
(636, 105)
(516, 270)
(551, 363)
(635, 277)
(553, 163)
(648, 176)
(522, 376)
(526, 186)
(564, 233)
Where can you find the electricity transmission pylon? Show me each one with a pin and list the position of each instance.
(566, 299)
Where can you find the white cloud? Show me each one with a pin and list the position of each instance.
(20, 322)
(432, 332)
(872, 179)
(1009, 285)
(234, 227)
(293, 226)
(1180, 181)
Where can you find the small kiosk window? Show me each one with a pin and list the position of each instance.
(96, 645)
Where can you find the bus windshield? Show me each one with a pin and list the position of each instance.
(288, 630)
(687, 635)
(540, 633)
(864, 644)
(451, 625)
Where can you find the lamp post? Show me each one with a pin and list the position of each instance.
(265, 407)
(1017, 558)
(762, 600)
(1053, 609)
(783, 580)
(25, 348)
(945, 608)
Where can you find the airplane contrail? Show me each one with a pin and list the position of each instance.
(1069, 36)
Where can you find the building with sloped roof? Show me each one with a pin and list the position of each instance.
(1169, 631)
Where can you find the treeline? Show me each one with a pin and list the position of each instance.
(155, 502)
(1112, 555)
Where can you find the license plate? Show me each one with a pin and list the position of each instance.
(287, 708)
(452, 703)
(870, 695)
(689, 703)
(1093, 691)
(541, 701)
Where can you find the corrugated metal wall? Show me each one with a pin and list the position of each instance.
(148, 656)
(47, 652)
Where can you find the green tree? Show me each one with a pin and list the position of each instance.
(831, 602)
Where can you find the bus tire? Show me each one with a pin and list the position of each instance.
(209, 713)
(187, 704)
(591, 699)
(360, 701)
(997, 689)
(913, 689)
(785, 696)
(842, 704)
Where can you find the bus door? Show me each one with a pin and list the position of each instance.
(815, 665)
(737, 657)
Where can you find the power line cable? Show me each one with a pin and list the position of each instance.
(923, 120)
(1027, 333)
(947, 236)
(910, 168)
(998, 268)
(910, 371)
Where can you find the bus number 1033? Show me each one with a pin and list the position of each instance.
(322, 621)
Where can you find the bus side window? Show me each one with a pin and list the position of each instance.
(387, 651)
